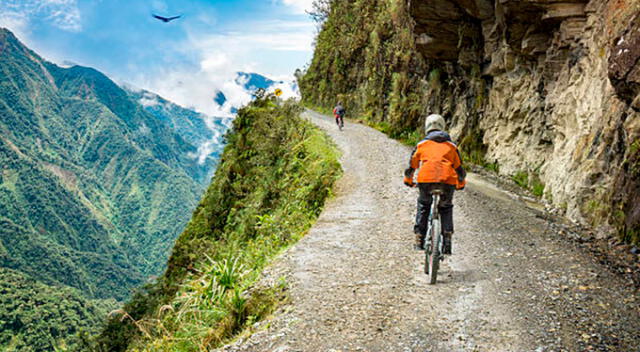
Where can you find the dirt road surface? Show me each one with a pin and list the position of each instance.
(512, 284)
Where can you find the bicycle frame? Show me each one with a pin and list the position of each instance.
(435, 199)
(433, 252)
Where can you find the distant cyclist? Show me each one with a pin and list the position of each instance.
(440, 166)
(339, 113)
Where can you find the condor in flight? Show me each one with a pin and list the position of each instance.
(166, 19)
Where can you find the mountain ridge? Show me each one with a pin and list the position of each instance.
(93, 187)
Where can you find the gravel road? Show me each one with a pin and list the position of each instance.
(512, 284)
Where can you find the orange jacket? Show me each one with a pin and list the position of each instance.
(438, 160)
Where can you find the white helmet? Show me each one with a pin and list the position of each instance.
(434, 122)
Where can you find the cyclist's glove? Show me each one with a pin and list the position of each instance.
(462, 174)
(461, 184)
(409, 172)
(408, 177)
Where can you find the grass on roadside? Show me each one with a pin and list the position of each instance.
(530, 182)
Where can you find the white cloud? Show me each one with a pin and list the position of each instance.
(300, 6)
(269, 35)
(217, 139)
(205, 149)
(17, 14)
(64, 14)
(14, 21)
(215, 63)
(148, 100)
(195, 87)
(220, 57)
(291, 41)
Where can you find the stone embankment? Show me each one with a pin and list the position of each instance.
(557, 86)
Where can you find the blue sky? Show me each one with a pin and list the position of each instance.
(186, 60)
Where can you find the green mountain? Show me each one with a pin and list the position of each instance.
(196, 128)
(25, 303)
(94, 189)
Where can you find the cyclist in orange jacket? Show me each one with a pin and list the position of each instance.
(440, 166)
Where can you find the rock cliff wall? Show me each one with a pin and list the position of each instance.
(543, 88)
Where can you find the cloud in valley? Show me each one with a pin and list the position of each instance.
(220, 56)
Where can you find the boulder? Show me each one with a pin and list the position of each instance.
(624, 64)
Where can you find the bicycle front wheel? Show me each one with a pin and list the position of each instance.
(433, 257)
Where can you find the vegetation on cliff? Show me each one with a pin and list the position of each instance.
(366, 57)
(272, 181)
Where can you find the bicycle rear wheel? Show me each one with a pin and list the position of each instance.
(433, 255)
(427, 251)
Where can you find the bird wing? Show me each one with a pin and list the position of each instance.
(161, 18)
(174, 17)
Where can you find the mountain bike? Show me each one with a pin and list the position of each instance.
(433, 250)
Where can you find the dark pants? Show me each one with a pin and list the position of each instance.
(424, 207)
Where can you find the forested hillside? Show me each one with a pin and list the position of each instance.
(545, 92)
(197, 129)
(25, 304)
(274, 176)
(93, 188)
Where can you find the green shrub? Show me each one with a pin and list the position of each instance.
(521, 178)
(536, 186)
(472, 148)
(529, 181)
(631, 235)
(494, 167)
(434, 78)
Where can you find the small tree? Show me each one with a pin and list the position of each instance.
(320, 10)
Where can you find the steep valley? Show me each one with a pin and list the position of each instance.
(94, 188)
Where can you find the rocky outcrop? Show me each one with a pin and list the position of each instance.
(546, 88)
(624, 73)
(624, 64)
(562, 85)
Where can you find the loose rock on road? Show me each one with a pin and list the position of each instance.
(512, 284)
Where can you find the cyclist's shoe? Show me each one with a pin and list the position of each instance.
(419, 245)
(446, 243)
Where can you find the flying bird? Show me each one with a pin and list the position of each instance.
(166, 19)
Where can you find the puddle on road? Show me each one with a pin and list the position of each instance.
(535, 205)
(478, 183)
